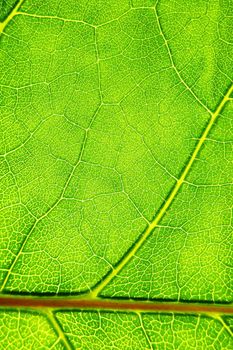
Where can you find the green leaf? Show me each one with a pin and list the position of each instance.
(116, 174)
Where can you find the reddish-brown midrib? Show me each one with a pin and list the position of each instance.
(106, 304)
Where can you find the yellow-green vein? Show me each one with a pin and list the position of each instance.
(10, 16)
(168, 202)
(55, 324)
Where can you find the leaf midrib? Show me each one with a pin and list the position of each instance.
(80, 303)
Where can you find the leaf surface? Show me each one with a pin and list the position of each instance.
(116, 174)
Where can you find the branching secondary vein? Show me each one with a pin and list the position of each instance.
(221, 320)
(52, 319)
(97, 290)
(10, 16)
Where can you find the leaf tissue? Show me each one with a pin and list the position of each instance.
(116, 166)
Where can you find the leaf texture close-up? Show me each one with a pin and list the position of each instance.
(116, 168)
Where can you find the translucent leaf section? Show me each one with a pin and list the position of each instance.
(116, 174)
(20, 330)
(189, 255)
(89, 330)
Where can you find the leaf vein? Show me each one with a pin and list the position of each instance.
(154, 223)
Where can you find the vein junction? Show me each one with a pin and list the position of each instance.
(10, 16)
